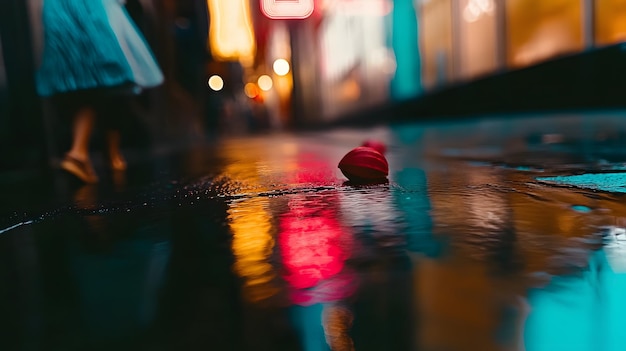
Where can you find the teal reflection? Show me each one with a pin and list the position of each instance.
(308, 321)
(414, 205)
(613, 182)
(411, 196)
(581, 312)
(118, 290)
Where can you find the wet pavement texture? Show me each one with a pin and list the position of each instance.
(499, 233)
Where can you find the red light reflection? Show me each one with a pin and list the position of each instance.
(315, 245)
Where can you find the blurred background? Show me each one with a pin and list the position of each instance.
(252, 66)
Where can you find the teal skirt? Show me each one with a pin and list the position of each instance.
(93, 44)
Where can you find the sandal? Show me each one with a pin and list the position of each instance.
(81, 169)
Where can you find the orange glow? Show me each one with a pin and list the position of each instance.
(265, 82)
(610, 21)
(251, 224)
(251, 90)
(437, 45)
(231, 36)
(252, 245)
(540, 30)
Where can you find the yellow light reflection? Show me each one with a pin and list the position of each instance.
(231, 36)
(251, 224)
(252, 245)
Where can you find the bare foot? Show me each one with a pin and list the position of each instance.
(118, 163)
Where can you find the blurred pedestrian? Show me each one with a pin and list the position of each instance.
(94, 58)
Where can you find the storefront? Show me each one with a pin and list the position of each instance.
(462, 40)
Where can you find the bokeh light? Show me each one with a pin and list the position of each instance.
(265, 82)
(281, 67)
(216, 82)
(251, 90)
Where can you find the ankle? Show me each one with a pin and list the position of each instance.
(78, 155)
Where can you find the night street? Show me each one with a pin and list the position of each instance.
(480, 240)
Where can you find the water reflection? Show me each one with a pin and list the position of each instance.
(314, 247)
(117, 289)
(583, 311)
(272, 251)
(328, 246)
(253, 245)
(84, 283)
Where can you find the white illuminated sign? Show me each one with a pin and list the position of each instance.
(287, 9)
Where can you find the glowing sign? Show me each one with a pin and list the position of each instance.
(287, 9)
(231, 36)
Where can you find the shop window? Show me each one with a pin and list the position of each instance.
(610, 21)
(539, 30)
(478, 38)
(436, 42)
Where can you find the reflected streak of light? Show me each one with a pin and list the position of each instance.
(314, 247)
(2, 231)
(252, 245)
(311, 251)
(615, 248)
(337, 321)
(487, 209)
(313, 243)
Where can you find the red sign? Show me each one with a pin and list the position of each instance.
(287, 9)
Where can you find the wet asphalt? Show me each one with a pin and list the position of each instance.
(495, 233)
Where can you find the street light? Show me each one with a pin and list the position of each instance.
(281, 67)
(216, 82)
(265, 82)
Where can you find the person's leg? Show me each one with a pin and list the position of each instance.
(81, 134)
(116, 159)
(115, 115)
(77, 160)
